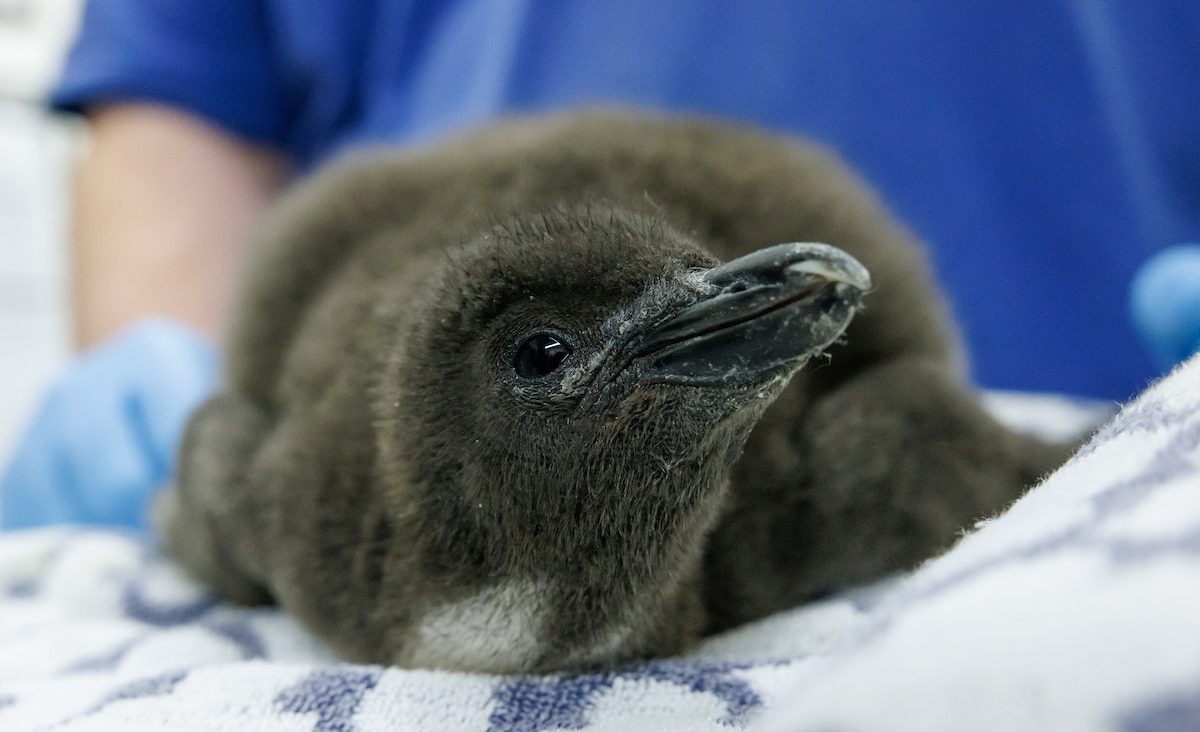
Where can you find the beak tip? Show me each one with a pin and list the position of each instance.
(830, 263)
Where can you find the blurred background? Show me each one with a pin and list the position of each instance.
(36, 151)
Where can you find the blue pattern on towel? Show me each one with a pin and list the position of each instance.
(535, 704)
(333, 694)
(1170, 714)
(160, 685)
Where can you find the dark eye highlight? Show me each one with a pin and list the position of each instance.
(540, 355)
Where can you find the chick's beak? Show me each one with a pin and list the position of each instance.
(769, 310)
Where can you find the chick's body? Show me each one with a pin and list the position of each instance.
(368, 465)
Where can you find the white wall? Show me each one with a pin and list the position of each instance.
(33, 34)
(36, 154)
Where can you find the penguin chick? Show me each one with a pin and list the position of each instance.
(534, 399)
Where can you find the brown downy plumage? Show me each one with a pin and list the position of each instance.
(492, 405)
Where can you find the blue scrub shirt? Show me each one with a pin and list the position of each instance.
(1041, 148)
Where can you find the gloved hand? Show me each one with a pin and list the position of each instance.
(105, 436)
(1165, 300)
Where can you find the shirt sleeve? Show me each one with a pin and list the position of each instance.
(211, 58)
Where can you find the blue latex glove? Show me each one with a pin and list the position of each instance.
(1165, 299)
(106, 434)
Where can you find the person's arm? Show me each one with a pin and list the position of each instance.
(164, 206)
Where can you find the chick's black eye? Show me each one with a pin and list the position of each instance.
(540, 355)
